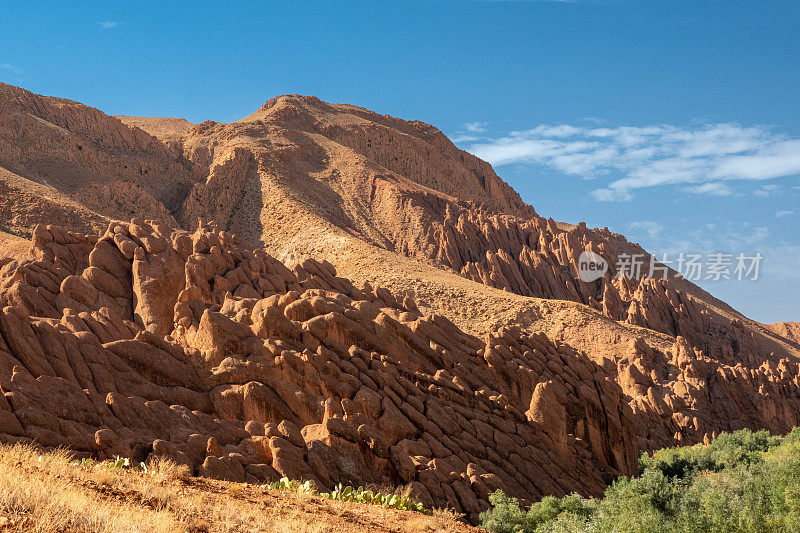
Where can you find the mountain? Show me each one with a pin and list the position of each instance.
(322, 292)
(789, 330)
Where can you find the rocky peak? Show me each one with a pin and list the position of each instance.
(322, 292)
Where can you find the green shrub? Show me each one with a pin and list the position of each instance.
(292, 485)
(507, 516)
(726, 451)
(743, 481)
(350, 494)
(361, 495)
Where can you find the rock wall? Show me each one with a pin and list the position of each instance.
(537, 257)
(193, 346)
(146, 341)
(680, 396)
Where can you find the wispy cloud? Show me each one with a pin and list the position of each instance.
(110, 25)
(470, 132)
(715, 188)
(781, 214)
(651, 228)
(767, 190)
(10, 71)
(701, 160)
(476, 127)
(8, 67)
(728, 236)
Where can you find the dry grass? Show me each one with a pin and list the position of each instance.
(47, 492)
(164, 470)
(439, 521)
(35, 491)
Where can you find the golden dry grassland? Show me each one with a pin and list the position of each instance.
(48, 492)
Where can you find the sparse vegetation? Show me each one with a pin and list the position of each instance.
(401, 501)
(741, 482)
(51, 491)
(35, 495)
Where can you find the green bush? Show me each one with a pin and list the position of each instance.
(362, 495)
(741, 482)
(350, 494)
(507, 516)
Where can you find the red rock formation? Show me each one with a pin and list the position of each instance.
(143, 338)
(538, 257)
(71, 157)
(788, 330)
(268, 372)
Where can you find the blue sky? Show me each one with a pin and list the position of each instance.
(675, 122)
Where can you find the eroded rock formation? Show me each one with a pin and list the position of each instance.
(241, 352)
(193, 346)
(539, 257)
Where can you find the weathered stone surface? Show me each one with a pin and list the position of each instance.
(140, 338)
(359, 397)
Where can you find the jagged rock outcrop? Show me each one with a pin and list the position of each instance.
(259, 371)
(196, 347)
(241, 352)
(539, 257)
(682, 396)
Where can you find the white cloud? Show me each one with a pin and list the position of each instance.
(781, 214)
(612, 195)
(700, 159)
(653, 229)
(714, 188)
(594, 120)
(767, 190)
(110, 25)
(476, 127)
(11, 72)
(756, 237)
(464, 139)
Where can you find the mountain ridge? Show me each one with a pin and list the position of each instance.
(315, 268)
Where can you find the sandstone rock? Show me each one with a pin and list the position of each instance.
(225, 468)
(140, 339)
(110, 444)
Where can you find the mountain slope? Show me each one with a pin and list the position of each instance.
(789, 330)
(340, 172)
(75, 158)
(370, 304)
(359, 189)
